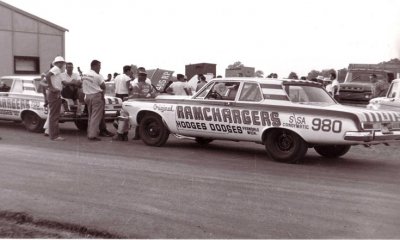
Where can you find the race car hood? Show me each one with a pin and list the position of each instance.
(384, 103)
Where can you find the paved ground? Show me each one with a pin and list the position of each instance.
(182, 190)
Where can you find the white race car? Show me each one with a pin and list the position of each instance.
(287, 116)
(391, 101)
(21, 99)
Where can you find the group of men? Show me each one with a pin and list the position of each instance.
(58, 83)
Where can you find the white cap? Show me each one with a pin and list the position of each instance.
(58, 59)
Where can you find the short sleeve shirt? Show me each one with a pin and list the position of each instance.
(67, 78)
(56, 78)
(91, 82)
(143, 88)
(178, 88)
(120, 84)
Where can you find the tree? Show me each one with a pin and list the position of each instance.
(259, 74)
(293, 75)
(235, 65)
(327, 72)
(313, 74)
(134, 69)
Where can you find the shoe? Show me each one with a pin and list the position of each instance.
(94, 139)
(58, 139)
(46, 134)
(106, 134)
(135, 138)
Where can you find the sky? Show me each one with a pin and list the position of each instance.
(270, 35)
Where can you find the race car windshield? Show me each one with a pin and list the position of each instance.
(308, 94)
(394, 91)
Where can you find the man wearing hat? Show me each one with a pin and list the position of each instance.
(55, 86)
(140, 89)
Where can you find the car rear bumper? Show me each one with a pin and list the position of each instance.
(373, 136)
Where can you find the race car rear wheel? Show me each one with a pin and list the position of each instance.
(285, 146)
(81, 124)
(203, 141)
(332, 151)
(153, 131)
(32, 122)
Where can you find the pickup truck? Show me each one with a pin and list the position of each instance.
(22, 100)
(357, 89)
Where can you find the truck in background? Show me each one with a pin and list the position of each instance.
(357, 88)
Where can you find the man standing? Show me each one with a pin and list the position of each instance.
(140, 89)
(379, 87)
(54, 81)
(93, 86)
(202, 81)
(180, 87)
(122, 83)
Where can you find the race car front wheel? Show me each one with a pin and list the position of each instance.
(32, 122)
(153, 131)
(285, 146)
(332, 151)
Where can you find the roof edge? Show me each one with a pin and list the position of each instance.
(33, 16)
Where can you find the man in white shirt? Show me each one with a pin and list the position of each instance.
(71, 82)
(122, 83)
(54, 81)
(180, 87)
(93, 85)
(335, 84)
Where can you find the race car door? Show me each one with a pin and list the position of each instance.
(212, 113)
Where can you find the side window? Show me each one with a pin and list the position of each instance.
(205, 92)
(220, 91)
(29, 86)
(250, 93)
(224, 91)
(18, 87)
(5, 85)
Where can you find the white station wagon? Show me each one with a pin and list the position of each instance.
(287, 116)
(21, 99)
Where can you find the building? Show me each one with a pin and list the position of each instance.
(200, 68)
(28, 44)
(240, 72)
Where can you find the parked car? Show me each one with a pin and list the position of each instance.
(390, 102)
(287, 116)
(357, 88)
(21, 99)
